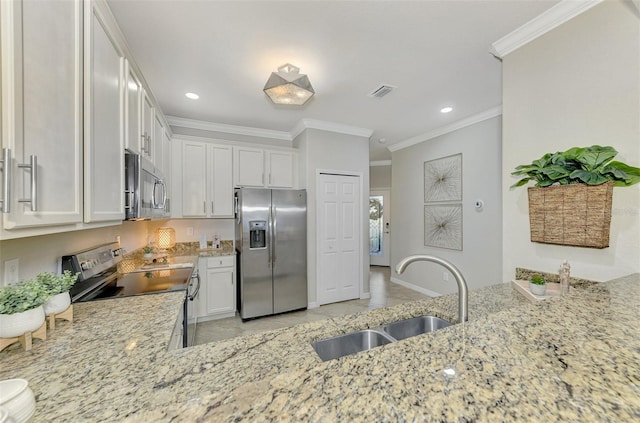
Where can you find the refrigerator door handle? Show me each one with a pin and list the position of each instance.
(270, 235)
(274, 230)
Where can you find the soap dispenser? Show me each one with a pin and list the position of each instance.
(565, 268)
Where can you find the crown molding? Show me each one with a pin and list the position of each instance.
(229, 129)
(541, 24)
(330, 127)
(380, 163)
(482, 116)
(269, 133)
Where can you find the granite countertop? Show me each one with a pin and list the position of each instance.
(571, 358)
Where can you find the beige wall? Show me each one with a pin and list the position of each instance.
(480, 258)
(40, 253)
(338, 152)
(380, 177)
(577, 85)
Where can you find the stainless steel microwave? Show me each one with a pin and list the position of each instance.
(145, 189)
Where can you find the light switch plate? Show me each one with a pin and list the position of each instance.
(11, 271)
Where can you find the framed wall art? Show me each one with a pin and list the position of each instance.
(443, 226)
(443, 179)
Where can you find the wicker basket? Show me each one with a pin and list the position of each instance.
(578, 215)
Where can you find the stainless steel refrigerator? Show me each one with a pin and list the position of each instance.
(271, 242)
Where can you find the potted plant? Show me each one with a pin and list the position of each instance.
(147, 251)
(58, 287)
(537, 285)
(21, 308)
(571, 201)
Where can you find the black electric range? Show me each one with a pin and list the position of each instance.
(98, 279)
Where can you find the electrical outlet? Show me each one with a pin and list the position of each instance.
(190, 231)
(445, 276)
(11, 271)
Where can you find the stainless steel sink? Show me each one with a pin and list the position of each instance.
(350, 343)
(416, 326)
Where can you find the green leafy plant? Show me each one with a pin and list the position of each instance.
(579, 165)
(537, 280)
(22, 296)
(57, 284)
(148, 249)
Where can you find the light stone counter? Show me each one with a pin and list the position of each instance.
(573, 358)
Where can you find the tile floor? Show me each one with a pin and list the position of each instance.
(383, 293)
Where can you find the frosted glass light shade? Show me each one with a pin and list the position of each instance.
(288, 86)
(165, 237)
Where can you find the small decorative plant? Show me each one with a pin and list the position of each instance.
(578, 165)
(147, 249)
(57, 284)
(23, 296)
(537, 285)
(537, 280)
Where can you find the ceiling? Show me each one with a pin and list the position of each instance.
(435, 52)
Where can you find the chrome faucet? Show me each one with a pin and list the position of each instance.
(463, 290)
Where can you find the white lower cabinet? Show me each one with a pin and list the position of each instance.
(217, 296)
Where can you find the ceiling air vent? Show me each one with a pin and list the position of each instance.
(381, 91)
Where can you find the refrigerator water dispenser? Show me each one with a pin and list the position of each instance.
(257, 231)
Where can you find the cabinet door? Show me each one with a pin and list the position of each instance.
(220, 291)
(280, 165)
(221, 180)
(249, 167)
(103, 124)
(42, 110)
(194, 171)
(133, 95)
(158, 131)
(166, 169)
(147, 120)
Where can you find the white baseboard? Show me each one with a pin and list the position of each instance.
(313, 305)
(420, 289)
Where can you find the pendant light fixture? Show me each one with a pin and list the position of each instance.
(288, 86)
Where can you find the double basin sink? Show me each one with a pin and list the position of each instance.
(363, 340)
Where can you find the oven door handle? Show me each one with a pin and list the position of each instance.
(196, 276)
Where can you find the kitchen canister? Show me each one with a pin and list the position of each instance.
(16, 400)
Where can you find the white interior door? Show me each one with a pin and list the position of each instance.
(339, 223)
(379, 227)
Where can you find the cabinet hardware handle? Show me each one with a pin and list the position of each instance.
(212, 208)
(6, 180)
(33, 166)
(269, 179)
(128, 199)
(144, 142)
(204, 207)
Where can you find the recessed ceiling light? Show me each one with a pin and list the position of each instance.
(446, 109)
(192, 96)
(382, 140)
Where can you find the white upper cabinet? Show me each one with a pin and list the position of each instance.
(207, 180)
(166, 169)
(103, 123)
(249, 167)
(42, 111)
(280, 169)
(133, 96)
(220, 180)
(255, 167)
(158, 152)
(147, 120)
(194, 184)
